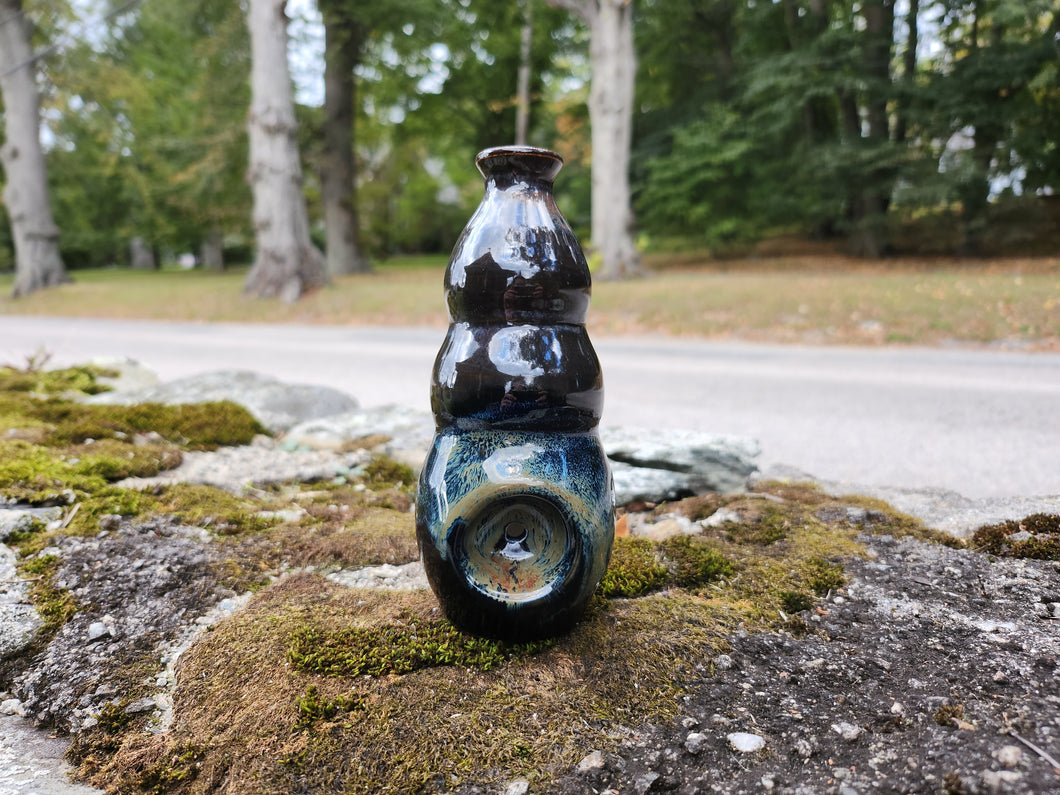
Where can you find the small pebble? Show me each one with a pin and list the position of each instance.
(694, 742)
(746, 743)
(592, 761)
(12, 706)
(1010, 755)
(97, 630)
(848, 731)
(519, 786)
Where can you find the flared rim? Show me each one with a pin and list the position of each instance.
(519, 162)
(508, 151)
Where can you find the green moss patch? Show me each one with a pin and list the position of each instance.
(406, 646)
(1036, 536)
(639, 566)
(33, 379)
(272, 727)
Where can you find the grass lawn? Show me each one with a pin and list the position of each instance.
(802, 299)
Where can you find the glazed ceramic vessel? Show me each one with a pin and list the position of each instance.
(515, 509)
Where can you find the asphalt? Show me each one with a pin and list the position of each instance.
(984, 424)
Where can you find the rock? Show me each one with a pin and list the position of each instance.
(848, 731)
(720, 517)
(1000, 780)
(1010, 755)
(695, 741)
(745, 743)
(12, 706)
(19, 619)
(655, 465)
(168, 577)
(643, 782)
(130, 374)
(408, 432)
(15, 520)
(276, 405)
(141, 705)
(97, 630)
(592, 761)
(519, 786)
(666, 526)
(255, 465)
(409, 577)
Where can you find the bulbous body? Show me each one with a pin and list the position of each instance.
(515, 509)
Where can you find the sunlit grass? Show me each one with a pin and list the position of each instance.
(794, 299)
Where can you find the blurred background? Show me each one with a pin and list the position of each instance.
(833, 139)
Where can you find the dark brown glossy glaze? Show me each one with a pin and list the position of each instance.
(515, 512)
(517, 288)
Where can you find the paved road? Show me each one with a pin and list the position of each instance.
(985, 424)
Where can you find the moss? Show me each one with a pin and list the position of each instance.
(33, 474)
(208, 507)
(1039, 537)
(312, 708)
(693, 561)
(527, 715)
(795, 601)
(822, 576)
(180, 767)
(382, 470)
(83, 379)
(409, 645)
(195, 426)
(770, 526)
(633, 570)
(55, 605)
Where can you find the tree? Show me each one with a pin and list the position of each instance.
(286, 263)
(613, 61)
(149, 142)
(38, 263)
(343, 40)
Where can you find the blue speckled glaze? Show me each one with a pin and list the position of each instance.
(515, 509)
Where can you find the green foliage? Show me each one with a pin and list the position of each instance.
(150, 132)
(398, 649)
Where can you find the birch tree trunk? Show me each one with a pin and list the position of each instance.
(286, 263)
(338, 179)
(613, 63)
(38, 263)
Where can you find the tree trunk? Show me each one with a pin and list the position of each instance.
(338, 179)
(286, 263)
(522, 95)
(38, 263)
(908, 71)
(211, 251)
(141, 255)
(613, 63)
(869, 236)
